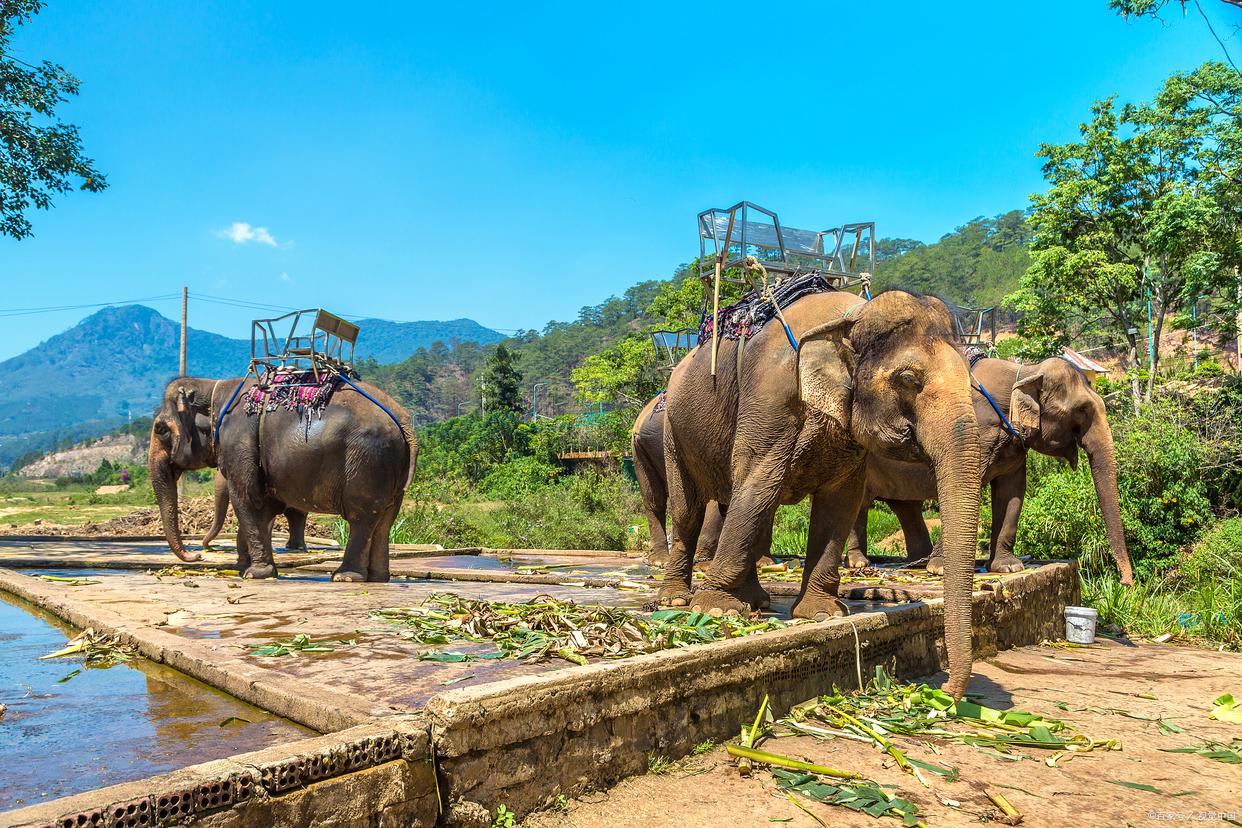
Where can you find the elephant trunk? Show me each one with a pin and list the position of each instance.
(164, 477)
(221, 511)
(1098, 443)
(955, 461)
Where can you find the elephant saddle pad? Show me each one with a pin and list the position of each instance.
(294, 391)
(747, 316)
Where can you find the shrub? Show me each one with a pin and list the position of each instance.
(1061, 519)
(1216, 557)
(518, 478)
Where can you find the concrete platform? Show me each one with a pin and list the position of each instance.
(500, 731)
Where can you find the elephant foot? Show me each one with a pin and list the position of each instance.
(1006, 563)
(302, 548)
(935, 565)
(856, 559)
(765, 560)
(673, 595)
(657, 558)
(704, 566)
(347, 576)
(259, 571)
(753, 593)
(820, 607)
(717, 602)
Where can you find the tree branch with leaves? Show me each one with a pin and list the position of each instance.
(40, 156)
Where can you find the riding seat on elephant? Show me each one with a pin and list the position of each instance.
(1049, 408)
(797, 413)
(351, 456)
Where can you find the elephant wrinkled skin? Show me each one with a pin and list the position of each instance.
(350, 460)
(883, 377)
(1054, 411)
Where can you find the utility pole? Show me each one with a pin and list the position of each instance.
(185, 301)
(534, 398)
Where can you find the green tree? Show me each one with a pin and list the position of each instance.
(40, 155)
(625, 374)
(502, 381)
(1137, 213)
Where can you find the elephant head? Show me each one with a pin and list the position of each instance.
(1057, 412)
(180, 441)
(891, 374)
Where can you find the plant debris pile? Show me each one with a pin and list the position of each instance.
(545, 627)
(917, 715)
(98, 651)
(300, 643)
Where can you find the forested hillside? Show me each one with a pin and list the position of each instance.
(975, 265)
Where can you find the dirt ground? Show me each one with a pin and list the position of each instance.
(708, 789)
(196, 514)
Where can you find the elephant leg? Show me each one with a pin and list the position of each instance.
(358, 551)
(296, 519)
(709, 535)
(747, 522)
(377, 563)
(1007, 494)
(914, 529)
(243, 553)
(686, 508)
(833, 512)
(856, 546)
(254, 530)
(221, 503)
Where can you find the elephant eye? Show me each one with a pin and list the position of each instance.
(910, 379)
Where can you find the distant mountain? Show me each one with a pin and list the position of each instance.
(387, 342)
(111, 367)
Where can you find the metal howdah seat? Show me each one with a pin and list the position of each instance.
(975, 326)
(311, 343)
(844, 256)
(671, 346)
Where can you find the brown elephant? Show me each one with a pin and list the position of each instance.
(220, 497)
(353, 459)
(647, 445)
(1053, 410)
(884, 377)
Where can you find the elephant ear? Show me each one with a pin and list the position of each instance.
(826, 370)
(1024, 403)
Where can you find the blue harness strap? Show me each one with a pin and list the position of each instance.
(978, 386)
(215, 434)
(379, 404)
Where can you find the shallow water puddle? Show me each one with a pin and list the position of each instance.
(101, 727)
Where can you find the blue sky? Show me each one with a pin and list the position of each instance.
(514, 162)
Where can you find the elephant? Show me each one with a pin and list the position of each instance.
(1053, 410)
(647, 445)
(835, 380)
(352, 459)
(220, 496)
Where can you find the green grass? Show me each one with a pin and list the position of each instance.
(1208, 613)
(24, 502)
(658, 764)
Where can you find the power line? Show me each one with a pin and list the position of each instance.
(4, 312)
(244, 303)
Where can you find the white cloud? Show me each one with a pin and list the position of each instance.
(240, 232)
(285, 277)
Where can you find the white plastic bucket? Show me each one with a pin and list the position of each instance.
(1080, 624)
